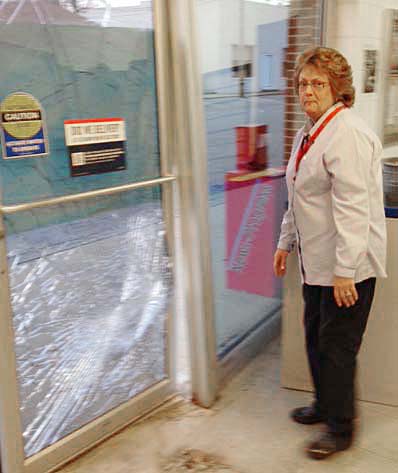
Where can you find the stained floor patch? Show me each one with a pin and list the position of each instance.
(176, 410)
(193, 460)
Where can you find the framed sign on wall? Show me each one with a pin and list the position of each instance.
(370, 68)
(390, 125)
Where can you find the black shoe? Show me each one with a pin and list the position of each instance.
(327, 444)
(306, 415)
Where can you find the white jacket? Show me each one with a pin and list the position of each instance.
(336, 211)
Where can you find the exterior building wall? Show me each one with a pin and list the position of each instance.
(275, 50)
(304, 31)
(223, 28)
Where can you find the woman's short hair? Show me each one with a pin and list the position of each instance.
(335, 65)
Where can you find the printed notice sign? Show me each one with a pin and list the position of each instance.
(95, 145)
(23, 130)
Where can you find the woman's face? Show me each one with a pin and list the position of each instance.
(315, 92)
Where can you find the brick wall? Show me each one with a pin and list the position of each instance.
(304, 30)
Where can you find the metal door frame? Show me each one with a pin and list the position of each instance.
(180, 152)
(49, 459)
(191, 162)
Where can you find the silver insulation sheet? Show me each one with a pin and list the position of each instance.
(90, 300)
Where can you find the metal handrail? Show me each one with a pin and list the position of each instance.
(12, 209)
(260, 93)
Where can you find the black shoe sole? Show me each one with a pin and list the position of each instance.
(323, 454)
(320, 455)
(307, 420)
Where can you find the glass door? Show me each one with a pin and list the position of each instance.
(244, 98)
(251, 117)
(86, 228)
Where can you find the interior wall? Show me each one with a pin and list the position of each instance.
(352, 27)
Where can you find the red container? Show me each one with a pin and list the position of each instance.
(251, 147)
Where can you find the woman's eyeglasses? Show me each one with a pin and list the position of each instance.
(315, 85)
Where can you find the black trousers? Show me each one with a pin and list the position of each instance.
(333, 338)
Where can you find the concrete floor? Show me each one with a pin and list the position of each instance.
(247, 431)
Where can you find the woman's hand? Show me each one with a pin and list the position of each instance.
(345, 292)
(280, 258)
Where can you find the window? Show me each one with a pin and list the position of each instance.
(266, 71)
(242, 59)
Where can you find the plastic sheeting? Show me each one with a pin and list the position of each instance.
(89, 290)
(89, 300)
(78, 69)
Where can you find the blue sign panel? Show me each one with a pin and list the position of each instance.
(23, 132)
(22, 148)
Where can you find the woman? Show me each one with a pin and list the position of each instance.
(336, 218)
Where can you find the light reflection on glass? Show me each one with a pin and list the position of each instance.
(244, 100)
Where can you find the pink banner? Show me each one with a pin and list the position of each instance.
(253, 215)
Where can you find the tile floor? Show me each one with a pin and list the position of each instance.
(247, 431)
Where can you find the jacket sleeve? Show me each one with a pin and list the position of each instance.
(287, 236)
(349, 163)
